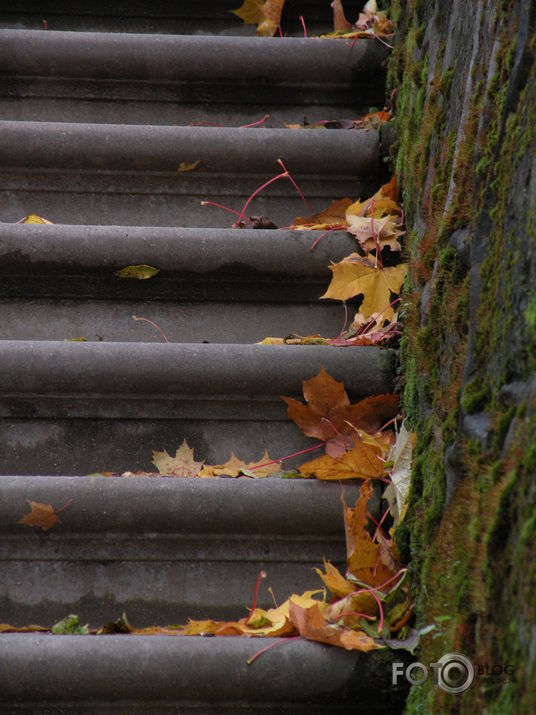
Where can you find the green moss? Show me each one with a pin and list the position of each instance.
(475, 396)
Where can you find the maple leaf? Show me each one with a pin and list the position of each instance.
(365, 229)
(311, 624)
(334, 215)
(234, 467)
(355, 276)
(363, 554)
(335, 581)
(329, 416)
(361, 462)
(266, 14)
(181, 465)
(42, 515)
(140, 272)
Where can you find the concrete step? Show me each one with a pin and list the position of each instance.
(164, 550)
(182, 80)
(214, 285)
(188, 17)
(77, 408)
(154, 674)
(128, 175)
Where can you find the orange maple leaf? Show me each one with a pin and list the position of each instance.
(311, 624)
(329, 416)
(363, 461)
(366, 559)
(42, 515)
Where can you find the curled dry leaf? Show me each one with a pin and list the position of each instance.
(34, 218)
(340, 23)
(234, 467)
(333, 216)
(184, 166)
(140, 272)
(311, 624)
(364, 555)
(266, 14)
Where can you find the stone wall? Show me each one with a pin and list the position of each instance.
(463, 76)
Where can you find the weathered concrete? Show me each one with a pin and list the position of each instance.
(129, 175)
(117, 674)
(164, 550)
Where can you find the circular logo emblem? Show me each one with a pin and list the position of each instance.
(455, 673)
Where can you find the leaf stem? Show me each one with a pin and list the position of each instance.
(283, 641)
(262, 574)
(146, 320)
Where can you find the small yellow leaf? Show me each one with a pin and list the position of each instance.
(141, 272)
(80, 339)
(34, 218)
(183, 166)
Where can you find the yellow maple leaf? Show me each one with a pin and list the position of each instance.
(235, 466)
(184, 166)
(34, 218)
(181, 465)
(355, 276)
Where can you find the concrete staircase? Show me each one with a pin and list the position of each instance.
(97, 114)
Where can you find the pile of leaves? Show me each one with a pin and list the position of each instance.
(376, 224)
(266, 14)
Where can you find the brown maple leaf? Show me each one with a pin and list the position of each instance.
(333, 216)
(311, 624)
(329, 416)
(42, 515)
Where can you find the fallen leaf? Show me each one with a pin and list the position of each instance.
(8, 628)
(42, 515)
(81, 339)
(200, 628)
(234, 467)
(141, 272)
(181, 465)
(389, 190)
(339, 20)
(355, 276)
(311, 624)
(374, 119)
(368, 231)
(70, 625)
(361, 462)
(183, 166)
(363, 554)
(401, 457)
(34, 218)
(335, 581)
(266, 15)
(259, 222)
(334, 215)
(329, 416)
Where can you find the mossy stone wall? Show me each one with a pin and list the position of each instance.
(463, 76)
